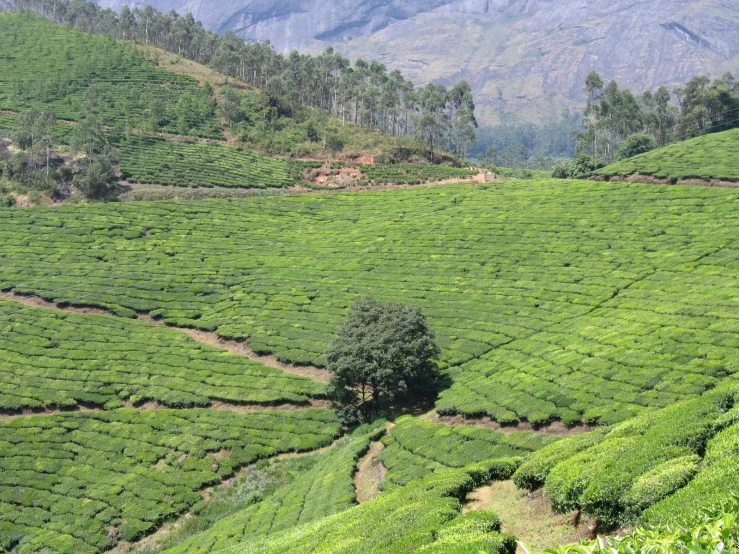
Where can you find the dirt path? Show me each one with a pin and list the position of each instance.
(204, 337)
(370, 473)
(529, 516)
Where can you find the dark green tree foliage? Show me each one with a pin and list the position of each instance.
(385, 352)
(94, 174)
(636, 144)
(581, 167)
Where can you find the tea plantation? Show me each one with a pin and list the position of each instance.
(78, 483)
(422, 517)
(713, 156)
(49, 65)
(325, 489)
(650, 469)
(563, 300)
(59, 359)
(416, 448)
(202, 164)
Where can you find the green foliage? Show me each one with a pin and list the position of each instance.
(384, 352)
(96, 178)
(551, 300)
(416, 448)
(48, 65)
(423, 516)
(75, 483)
(198, 164)
(659, 462)
(708, 157)
(562, 169)
(583, 167)
(635, 144)
(58, 359)
(325, 488)
(715, 531)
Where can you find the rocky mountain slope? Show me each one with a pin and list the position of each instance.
(522, 56)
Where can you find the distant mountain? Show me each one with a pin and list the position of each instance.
(528, 57)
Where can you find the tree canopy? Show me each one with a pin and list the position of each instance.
(385, 352)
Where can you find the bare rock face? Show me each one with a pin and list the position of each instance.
(523, 56)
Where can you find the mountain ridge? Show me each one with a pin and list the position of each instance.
(526, 57)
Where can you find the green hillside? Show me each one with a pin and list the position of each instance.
(578, 301)
(325, 488)
(48, 65)
(714, 156)
(78, 483)
(587, 332)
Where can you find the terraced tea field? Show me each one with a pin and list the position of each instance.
(417, 448)
(199, 164)
(422, 517)
(79, 482)
(413, 174)
(708, 157)
(48, 65)
(51, 359)
(551, 299)
(326, 488)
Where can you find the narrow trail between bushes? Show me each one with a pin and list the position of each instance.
(370, 473)
(528, 516)
(555, 428)
(219, 405)
(203, 337)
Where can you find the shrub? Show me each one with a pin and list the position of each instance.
(634, 145)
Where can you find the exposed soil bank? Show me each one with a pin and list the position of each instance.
(556, 428)
(651, 180)
(370, 473)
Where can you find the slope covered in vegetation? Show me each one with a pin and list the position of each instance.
(78, 483)
(578, 301)
(709, 157)
(52, 359)
(652, 469)
(45, 65)
(326, 488)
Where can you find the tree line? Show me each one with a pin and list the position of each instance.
(363, 92)
(619, 124)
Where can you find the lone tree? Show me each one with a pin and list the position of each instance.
(385, 352)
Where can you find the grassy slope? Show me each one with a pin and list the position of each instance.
(551, 299)
(714, 156)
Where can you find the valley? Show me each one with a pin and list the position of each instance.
(237, 319)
